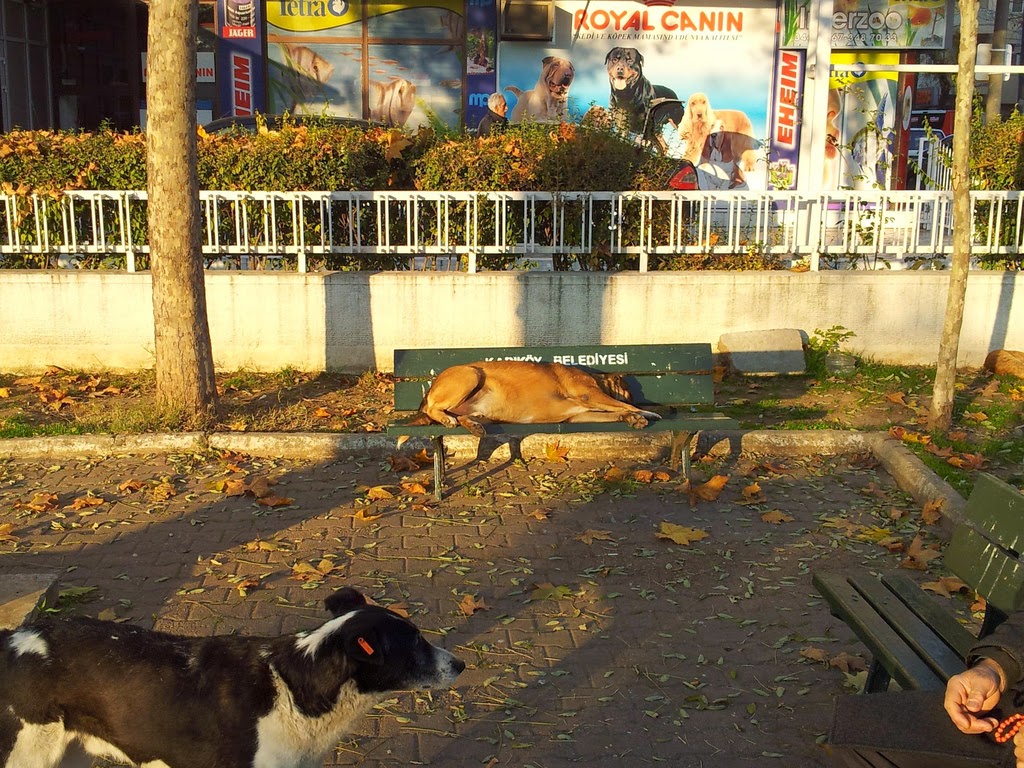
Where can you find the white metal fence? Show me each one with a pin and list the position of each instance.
(501, 230)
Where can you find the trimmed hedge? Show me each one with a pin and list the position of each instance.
(328, 157)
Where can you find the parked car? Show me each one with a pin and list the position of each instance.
(251, 123)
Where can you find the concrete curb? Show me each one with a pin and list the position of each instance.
(910, 474)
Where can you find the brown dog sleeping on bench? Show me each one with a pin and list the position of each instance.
(526, 393)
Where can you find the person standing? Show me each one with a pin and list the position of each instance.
(494, 121)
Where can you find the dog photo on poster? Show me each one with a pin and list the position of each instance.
(615, 56)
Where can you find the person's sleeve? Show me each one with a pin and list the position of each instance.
(1005, 646)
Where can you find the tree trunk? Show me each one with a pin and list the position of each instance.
(994, 100)
(185, 386)
(945, 374)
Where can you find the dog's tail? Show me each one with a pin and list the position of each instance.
(514, 90)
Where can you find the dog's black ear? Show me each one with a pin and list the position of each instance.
(344, 600)
(365, 648)
(608, 56)
(639, 58)
(546, 60)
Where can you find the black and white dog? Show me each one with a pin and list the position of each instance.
(162, 701)
(631, 91)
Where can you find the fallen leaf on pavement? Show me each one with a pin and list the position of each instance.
(776, 517)
(680, 534)
(40, 502)
(918, 555)
(470, 605)
(555, 452)
(709, 491)
(848, 663)
(85, 502)
(402, 463)
(589, 536)
(814, 654)
(932, 511)
(6, 532)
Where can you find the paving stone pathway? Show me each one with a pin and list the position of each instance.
(588, 638)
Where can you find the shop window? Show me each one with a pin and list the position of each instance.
(527, 19)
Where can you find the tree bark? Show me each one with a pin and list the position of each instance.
(941, 418)
(994, 99)
(185, 388)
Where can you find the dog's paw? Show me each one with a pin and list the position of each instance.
(635, 420)
(475, 428)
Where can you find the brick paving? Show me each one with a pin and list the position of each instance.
(596, 641)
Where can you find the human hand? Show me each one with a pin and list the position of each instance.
(976, 691)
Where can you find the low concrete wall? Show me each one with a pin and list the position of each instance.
(352, 321)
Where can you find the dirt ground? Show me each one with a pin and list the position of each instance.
(590, 637)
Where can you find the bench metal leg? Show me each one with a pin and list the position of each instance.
(438, 467)
(679, 453)
(877, 680)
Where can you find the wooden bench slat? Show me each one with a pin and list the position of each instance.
(915, 632)
(619, 358)
(898, 658)
(942, 621)
(997, 509)
(668, 389)
(988, 568)
(692, 422)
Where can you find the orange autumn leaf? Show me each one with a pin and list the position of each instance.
(643, 475)
(942, 453)
(85, 502)
(322, 413)
(892, 543)
(400, 608)
(40, 502)
(470, 605)
(946, 586)
(130, 486)
(5, 392)
(901, 433)
(680, 534)
(776, 517)
(538, 514)
(711, 490)
(402, 463)
(421, 457)
(752, 494)
(977, 416)
(379, 493)
(555, 452)
(957, 436)
(968, 461)
(364, 515)
(932, 511)
(918, 555)
(814, 654)
(414, 488)
(896, 397)
(7, 532)
(847, 663)
(274, 501)
(661, 476)
(615, 475)
(590, 535)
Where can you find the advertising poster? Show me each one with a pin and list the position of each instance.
(785, 121)
(319, 62)
(240, 57)
(481, 57)
(610, 58)
(922, 24)
(862, 109)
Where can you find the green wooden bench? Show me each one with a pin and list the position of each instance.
(913, 638)
(671, 379)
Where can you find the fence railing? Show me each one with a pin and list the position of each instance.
(500, 230)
